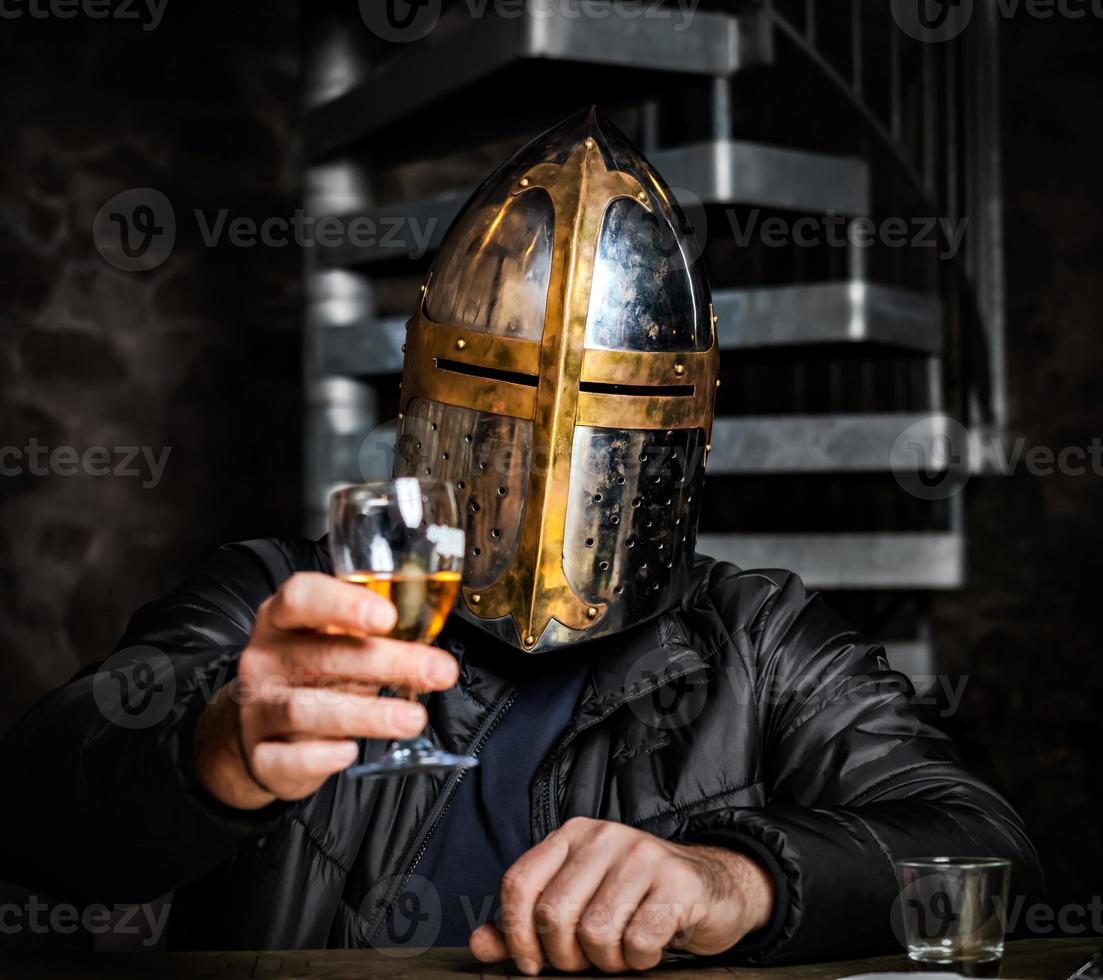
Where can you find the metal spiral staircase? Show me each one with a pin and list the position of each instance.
(750, 111)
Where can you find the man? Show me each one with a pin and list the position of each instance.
(675, 754)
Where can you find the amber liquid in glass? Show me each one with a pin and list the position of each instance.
(423, 601)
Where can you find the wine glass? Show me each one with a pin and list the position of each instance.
(403, 540)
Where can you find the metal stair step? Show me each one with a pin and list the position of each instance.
(830, 312)
(364, 351)
(739, 172)
(426, 72)
(819, 443)
(849, 561)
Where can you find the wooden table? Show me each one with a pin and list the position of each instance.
(1034, 959)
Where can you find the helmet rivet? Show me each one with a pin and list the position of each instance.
(401, 416)
(641, 196)
(529, 640)
(524, 181)
(476, 599)
(592, 612)
(679, 369)
(717, 382)
(423, 287)
(708, 447)
(589, 144)
(461, 344)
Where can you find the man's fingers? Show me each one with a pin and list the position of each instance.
(653, 927)
(612, 907)
(488, 945)
(521, 888)
(327, 713)
(293, 770)
(313, 601)
(374, 661)
(559, 911)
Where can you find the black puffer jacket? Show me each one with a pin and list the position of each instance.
(751, 716)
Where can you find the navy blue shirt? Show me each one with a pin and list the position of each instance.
(488, 824)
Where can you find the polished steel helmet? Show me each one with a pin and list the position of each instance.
(561, 372)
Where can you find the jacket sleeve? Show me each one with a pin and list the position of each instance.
(854, 779)
(102, 804)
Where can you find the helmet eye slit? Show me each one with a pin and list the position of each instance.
(646, 391)
(487, 373)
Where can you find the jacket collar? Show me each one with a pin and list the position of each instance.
(623, 667)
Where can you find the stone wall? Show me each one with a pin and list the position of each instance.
(197, 358)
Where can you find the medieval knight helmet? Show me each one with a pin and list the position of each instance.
(560, 371)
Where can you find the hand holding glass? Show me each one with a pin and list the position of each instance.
(403, 540)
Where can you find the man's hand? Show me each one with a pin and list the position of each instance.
(599, 894)
(307, 685)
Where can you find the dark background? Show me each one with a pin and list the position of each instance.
(203, 355)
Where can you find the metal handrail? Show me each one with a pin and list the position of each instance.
(977, 270)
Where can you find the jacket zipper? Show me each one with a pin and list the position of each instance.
(547, 792)
(421, 842)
